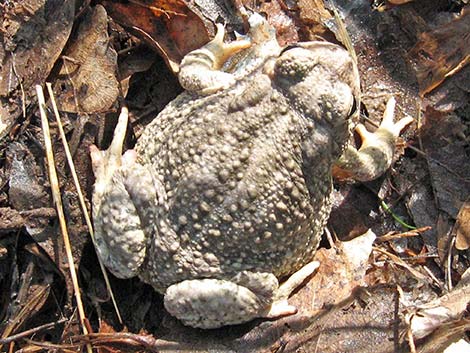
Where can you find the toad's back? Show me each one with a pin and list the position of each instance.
(235, 179)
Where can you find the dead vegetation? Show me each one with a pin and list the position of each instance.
(393, 274)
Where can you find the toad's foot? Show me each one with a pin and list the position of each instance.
(105, 163)
(212, 303)
(375, 155)
(280, 307)
(199, 70)
(123, 193)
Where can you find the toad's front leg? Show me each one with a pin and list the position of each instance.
(375, 155)
(200, 69)
(124, 198)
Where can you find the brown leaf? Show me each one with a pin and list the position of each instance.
(286, 31)
(462, 227)
(448, 308)
(446, 159)
(33, 34)
(442, 52)
(313, 16)
(88, 75)
(341, 270)
(170, 27)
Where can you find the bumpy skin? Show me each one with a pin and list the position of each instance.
(230, 188)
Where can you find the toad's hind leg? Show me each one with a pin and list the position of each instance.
(124, 198)
(212, 303)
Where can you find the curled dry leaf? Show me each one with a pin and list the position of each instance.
(462, 227)
(87, 81)
(450, 307)
(447, 338)
(313, 15)
(342, 269)
(442, 52)
(286, 31)
(168, 26)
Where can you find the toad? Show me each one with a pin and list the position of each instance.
(228, 189)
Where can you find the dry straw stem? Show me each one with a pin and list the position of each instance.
(30, 306)
(403, 264)
(60, 211)
(31, 331)
(80, 195)
(412, 233)
(343, 33)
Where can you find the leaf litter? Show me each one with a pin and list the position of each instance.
(405, 293)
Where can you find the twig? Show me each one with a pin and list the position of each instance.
(31, 331)
(448, 264)
(60, 211)
(403, 264)
(23, 95)
(32, 304)
(408, 234)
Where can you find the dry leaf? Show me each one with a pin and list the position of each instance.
(88, 81)
(33, 33)
(341, 270)
(314, 15)
(170, 27)
(442, 52)
(462, 227)
(286, 31)
(448, 308)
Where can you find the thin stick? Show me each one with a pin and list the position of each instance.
(402, 263)
(80, 195)
(60, 211)
(31, 331)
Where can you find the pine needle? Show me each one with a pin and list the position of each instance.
(60, 211)
(80, 196)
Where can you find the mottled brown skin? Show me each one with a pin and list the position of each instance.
(228, 188)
